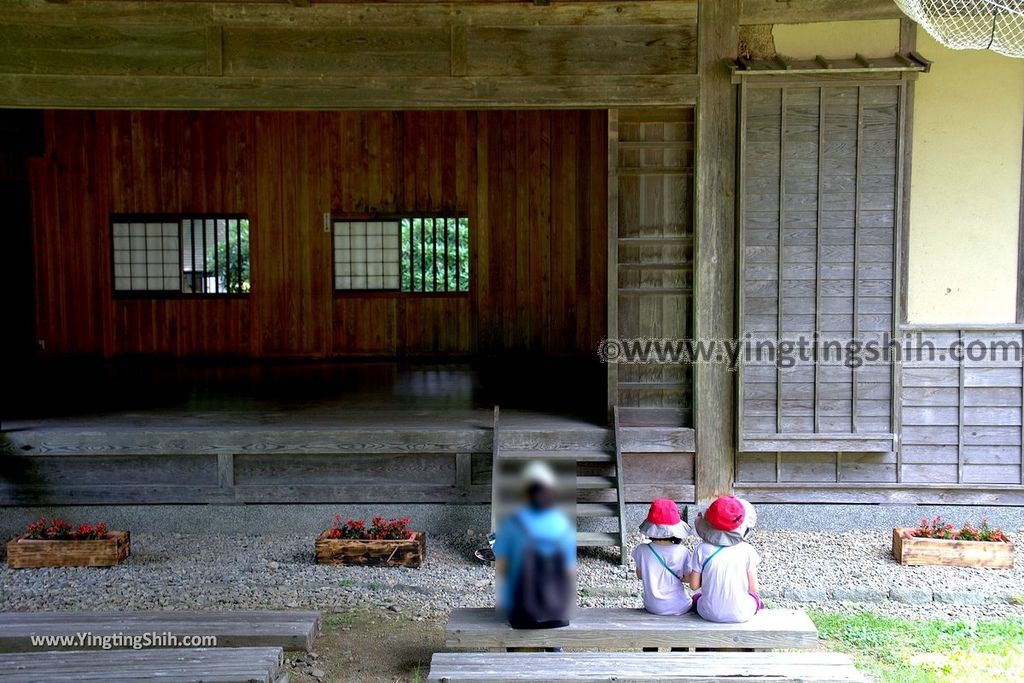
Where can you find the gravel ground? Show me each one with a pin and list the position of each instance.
(250, 572)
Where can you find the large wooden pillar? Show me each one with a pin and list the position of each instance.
(715, 230)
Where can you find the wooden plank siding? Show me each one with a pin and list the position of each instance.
(209, 55)
(819, 197)
(962, 421)
(653, 286)
(961, 430)
(532, 183)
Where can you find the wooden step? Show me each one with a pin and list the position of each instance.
(597, 510)
(630, 667)
(563, 455)
(215, 664)
(618, 628)
(590, 539)
(595, 482)
(289, 629)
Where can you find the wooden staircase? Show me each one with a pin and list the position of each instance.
(598, 474)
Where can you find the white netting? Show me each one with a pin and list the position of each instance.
(996, 25)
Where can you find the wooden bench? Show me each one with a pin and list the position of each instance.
(210, 665)
(291, 630)
(614, 628)
(628, 667)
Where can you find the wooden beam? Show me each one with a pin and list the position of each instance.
(715, 258)
(357, 14)
(28, 91)
(214, 50)
(810, 11)
(352, 55)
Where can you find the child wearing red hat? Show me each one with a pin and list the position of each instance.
(724, 566)
(662, 563)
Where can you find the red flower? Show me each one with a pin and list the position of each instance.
(379, 529)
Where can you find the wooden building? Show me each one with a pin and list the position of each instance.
(266, 251)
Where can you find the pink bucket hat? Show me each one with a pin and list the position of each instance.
(663, 521)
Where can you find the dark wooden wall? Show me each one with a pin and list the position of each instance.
(533, 184)
(20, 138)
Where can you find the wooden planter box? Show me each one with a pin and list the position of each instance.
(912, 550)
(25, 553)
(407, 553)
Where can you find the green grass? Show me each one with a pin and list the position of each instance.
(341, 619)
(905, 651)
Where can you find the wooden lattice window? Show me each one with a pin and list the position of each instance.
(193, 254)
(416, 254)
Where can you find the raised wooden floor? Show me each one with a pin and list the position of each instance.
(281, 456)
(617, 628)
(290, 630)
(639, 667)
(209, 665)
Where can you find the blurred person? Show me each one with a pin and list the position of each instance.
(724, 566)
(535, 553)
(662, 564)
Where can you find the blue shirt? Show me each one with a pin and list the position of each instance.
(550, 529)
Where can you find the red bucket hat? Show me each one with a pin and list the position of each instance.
(727, 521)
(726, 513)
(663, 521)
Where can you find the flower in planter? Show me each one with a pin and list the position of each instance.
(91, 532)
(380, 529)
(57, 529)
(937, 528)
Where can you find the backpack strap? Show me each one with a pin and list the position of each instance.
(704, 564)
(663, 562)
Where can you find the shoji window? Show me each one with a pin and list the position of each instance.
(366, 254)
(819, 215)
(418, 254)
(181, 254)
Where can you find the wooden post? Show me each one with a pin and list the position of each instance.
(715, 257)
(495, 467)
(905, 157)
(613, 252)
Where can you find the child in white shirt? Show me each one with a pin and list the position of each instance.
(724, 566)
(662, 564)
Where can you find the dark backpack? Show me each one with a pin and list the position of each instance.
(543, 594)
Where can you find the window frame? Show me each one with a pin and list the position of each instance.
(398, 216)
(167, 218)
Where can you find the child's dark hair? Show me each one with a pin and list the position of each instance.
(670, 538)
